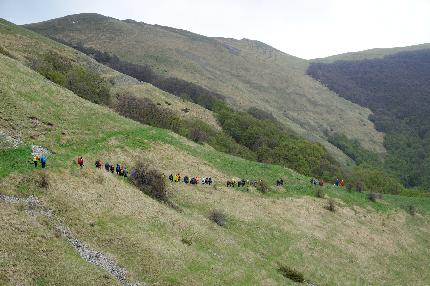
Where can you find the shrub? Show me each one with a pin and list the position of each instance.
(218, 217)
(198, 135)
(412, 210)
(147, 112)
(82, 81)
(262, 186)
(320, 193)
(291, 273)
(43, 181)
(331, 205)
(374, 196)
(187, 241)
(6, 52)
(150, 182)
(359, 187)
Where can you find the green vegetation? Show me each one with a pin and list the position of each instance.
(83, 82)
(145, 236)
(274, 144)
(247, 73)
(265, 231)
(354, 150)
(395, 88)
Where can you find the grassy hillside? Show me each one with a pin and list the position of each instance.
(396, 88)
(248, 73)
(361, 243)
(28, 47)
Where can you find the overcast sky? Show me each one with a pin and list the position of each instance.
(304, 28)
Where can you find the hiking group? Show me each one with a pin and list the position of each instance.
(42, 160)
(121, 170)
(190, 180)
(320, 182)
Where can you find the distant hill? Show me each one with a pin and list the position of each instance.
(248, 73)
(377, 53)
(396, 88)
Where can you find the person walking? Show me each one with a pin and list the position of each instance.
(43, 161)
(81, 162)
(35, 161)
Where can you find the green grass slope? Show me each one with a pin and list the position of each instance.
(248, 72)
(361, 243)
(27, 46)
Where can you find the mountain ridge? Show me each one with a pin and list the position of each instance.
(260, 76)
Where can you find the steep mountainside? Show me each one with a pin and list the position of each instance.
(248, 73)
(48, 215)
(397, 89)
(29, 47)
(66, 225)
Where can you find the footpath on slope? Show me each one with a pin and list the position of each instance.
(86, 252)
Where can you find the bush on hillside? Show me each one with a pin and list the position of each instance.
(43, 181)
(331, 205)
(359, 187)
(145, 111)
(150, 182)
(291, 274)
(374, 196)
(262, 186)
(218, 217)
(412, 210)
(85, 83)
(320, 193)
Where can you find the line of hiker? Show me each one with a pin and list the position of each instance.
(42, 160)
(242, 183)
(121, 170)
(190, 180)
(320, 182)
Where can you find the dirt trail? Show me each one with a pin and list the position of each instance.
(86, 252)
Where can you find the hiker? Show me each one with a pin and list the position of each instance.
(342, 183)
(171, 177)
(35, 160)
(118, 169)
(125, 173)
(321, 182)
(186, 179)
(337, 183)
(107, 165)
(43, 161)
(279, 182)
(193, 181)
(81, 162)
(112, 168)
(98, 164)
(314, 181)
(121, 171)
(210, 181)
